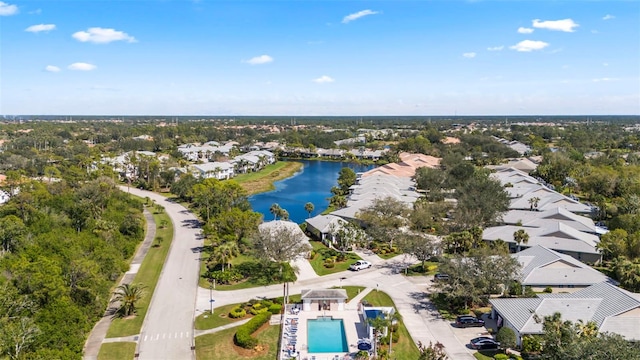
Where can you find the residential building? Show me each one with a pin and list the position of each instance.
(216, 170)
(613, 310)
(543, 268)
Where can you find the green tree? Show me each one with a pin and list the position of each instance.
(12, 230)
(506, 337)
(275, 210)
(346, 178)
(126, 297)
(520, 237)
(384, 218)
(423, 247)
(481, 201)
(432, 352)
(308, 207)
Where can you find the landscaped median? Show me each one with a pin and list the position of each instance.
(148, 275)
(325, 261)
(255, 339)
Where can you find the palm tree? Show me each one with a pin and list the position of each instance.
(393, 319)
(224, 253)
(533, 203)
(309, 208)
(377, 324)
(127, 295)
(275, 209)
(520, 236)
(284, 214)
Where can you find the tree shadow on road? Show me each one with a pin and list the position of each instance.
(423, 303)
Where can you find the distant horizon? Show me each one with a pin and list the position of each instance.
(320, 58)
(293, 117)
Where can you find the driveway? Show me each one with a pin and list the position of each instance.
(167, 331)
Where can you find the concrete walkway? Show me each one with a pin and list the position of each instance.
(99, 331)
(220, 328)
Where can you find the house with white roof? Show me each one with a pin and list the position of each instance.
(323, 227)
(556, 236)
(216, 170)
(613, 310)
(528, 218)
(544, 268)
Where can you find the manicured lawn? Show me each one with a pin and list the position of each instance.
(352, 291)
(318, 261)
(220, 317)
(486, 354)
(117, 351)
(220, 346)
(405, 348)
(147, 275)
(261, 181)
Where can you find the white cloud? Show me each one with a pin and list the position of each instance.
(324, 79)
(469, 55)
(524, 30)
(6, 9)
(51, 68)
(608, 17)
(358, 15)
(605, 79)
(102, 36)
(80, 66)
(495, 48)
(258, 60)
(40, 27)
(529, 45)
(565, 25)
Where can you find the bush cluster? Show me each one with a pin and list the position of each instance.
(243, 336)
(237, 313)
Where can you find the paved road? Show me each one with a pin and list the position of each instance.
(167, 331)
(408, 294)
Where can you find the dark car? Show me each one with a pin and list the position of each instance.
(485, 344)
(468, 321)
(480, 338)
(440, 277)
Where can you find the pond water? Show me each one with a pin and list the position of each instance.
(312, 184)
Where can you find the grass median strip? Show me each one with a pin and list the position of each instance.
(147, 275)
(117, 351)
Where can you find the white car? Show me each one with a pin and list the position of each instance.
(359, 265)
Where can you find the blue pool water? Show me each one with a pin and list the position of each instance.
(326, 335)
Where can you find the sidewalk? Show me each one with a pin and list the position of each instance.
(99, 331)
(220, 328)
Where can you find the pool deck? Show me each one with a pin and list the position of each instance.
(354, 328)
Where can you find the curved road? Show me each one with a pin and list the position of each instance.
(167, 331)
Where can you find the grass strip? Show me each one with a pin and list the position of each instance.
(147, 275)
(117, 351)
(262, 181)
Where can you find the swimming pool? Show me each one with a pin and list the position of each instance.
(325, 334)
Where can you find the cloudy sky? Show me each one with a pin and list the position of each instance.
(298, 57)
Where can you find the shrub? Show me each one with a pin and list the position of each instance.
(501, 356)
(275, 309)
(506, 337)
(254, 311)
(243, 336)
(237, 313)
(312, 254)
(548, 290)
(266, 303)
(531, 344)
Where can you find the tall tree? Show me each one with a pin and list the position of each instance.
(520, 237)
(275, 210)
(308, 207)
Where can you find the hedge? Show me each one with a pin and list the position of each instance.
(237, 313)
(243, 336)
(275, 309)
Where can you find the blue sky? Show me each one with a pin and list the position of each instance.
(306, 57)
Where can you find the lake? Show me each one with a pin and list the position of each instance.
(312, 184)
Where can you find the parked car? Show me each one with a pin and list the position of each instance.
(485, 344)
(359, 265)
(440, 277)
(480, 338)
(468, 321)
